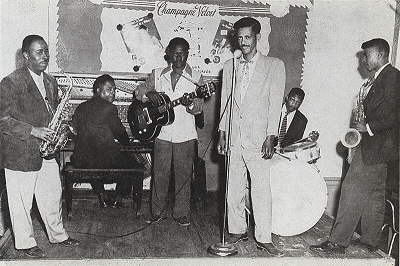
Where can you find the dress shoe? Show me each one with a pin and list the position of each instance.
(328, 247)
(236, 238)
(270, 248)
(70, 242)
(34, 252)
(154, 219)
(183, 221)
(357, 242)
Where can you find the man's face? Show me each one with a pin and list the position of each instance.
(247, 40)
(37, 56)
(370, 59)
(107, 92)
(179, 56)
(293, 102)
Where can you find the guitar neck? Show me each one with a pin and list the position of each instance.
(174, 103)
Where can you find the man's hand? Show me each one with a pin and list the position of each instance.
(314, 135)
(43, 133)
(155, 98)
(196, 107)
(361, 127)
(221, 147)
(267, 149)
(186, 100)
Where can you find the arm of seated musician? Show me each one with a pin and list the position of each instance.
(116, 126)
(313, 136)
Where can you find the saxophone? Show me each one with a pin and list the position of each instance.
(351, 138)
(60, 137)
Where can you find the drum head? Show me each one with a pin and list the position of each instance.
(299, 197)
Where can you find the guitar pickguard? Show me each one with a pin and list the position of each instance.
(146, 121)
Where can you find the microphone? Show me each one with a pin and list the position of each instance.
(237, 53)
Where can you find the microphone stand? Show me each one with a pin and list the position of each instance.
(222, 249)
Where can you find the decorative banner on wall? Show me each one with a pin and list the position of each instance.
(119, 37)
(135, 40)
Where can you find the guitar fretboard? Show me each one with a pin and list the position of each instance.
(174, 103)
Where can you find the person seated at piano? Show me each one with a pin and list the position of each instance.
(293, 122)
(98, 128)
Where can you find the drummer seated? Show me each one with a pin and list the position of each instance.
(296, 121)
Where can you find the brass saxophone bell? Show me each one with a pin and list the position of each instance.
(351, 138)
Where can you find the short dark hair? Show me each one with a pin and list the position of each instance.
(248, 22)
(178, 41)
(380, 44)
(100, 81)
(28, 40)
(297, 91)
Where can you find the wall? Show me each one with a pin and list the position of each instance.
(332, 74)
(18, 19)
(331, 78)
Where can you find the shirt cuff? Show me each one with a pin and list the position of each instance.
(369, 130)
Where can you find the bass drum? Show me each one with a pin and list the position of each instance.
(299, 197)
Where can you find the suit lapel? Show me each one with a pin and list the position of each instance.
(375, 96)
(253, 91)
(49, 90)
(238, 77)
(34, 91)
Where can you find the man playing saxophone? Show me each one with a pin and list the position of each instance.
(27, 98)
(363, 189)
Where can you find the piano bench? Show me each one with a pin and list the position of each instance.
(74, 174)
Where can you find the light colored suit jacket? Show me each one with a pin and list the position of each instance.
(258, 114)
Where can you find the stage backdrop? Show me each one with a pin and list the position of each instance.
(130, 37)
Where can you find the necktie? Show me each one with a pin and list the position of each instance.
(245, 77)
(366, 87)
(282, 130)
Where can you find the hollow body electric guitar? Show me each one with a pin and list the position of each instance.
(146, 120)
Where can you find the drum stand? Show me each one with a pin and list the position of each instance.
(223, 249)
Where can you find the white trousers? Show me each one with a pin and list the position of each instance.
(45, 185)
(241, 161)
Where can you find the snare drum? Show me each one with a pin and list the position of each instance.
(303, 151)
(299, 197)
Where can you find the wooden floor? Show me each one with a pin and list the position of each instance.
(116, 234)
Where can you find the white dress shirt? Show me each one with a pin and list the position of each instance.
(39, 83)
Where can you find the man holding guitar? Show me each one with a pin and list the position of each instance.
(175, 144)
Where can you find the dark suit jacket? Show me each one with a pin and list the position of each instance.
(98, 125)
(21, 108)
(296, 129)
(382, 107)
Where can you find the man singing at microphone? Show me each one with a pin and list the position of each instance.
(257, 96)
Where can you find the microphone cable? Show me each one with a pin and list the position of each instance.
(163, 208)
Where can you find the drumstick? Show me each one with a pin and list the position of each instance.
(300, 140)
(283, 155)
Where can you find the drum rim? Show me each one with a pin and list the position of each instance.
(292, 148)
